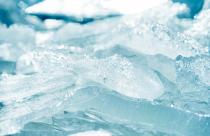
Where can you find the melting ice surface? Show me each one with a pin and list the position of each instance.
(95, 69)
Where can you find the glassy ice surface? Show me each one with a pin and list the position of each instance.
(105, 68)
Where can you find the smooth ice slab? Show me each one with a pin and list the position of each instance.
(121, 109)
(95, 108)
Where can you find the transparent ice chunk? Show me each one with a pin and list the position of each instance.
(135, 80)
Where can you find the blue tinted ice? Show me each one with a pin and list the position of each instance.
(105, 68)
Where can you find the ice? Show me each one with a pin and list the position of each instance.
(99, 70)
(7, 67)
(14, 42)
(7, 37)
(12, 12)
(93, 133)
(161, 63)
(9, 12)
(150, 38)
(192, 80)
(99, 67)
(95, 108)
(192, 85)
(143, 114)
(32, 102)
(86, 11)
(1, 105)
(206, 4)
(200, 29)
(195, 6)
(194, 68)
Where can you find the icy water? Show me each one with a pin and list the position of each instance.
(105, 68)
